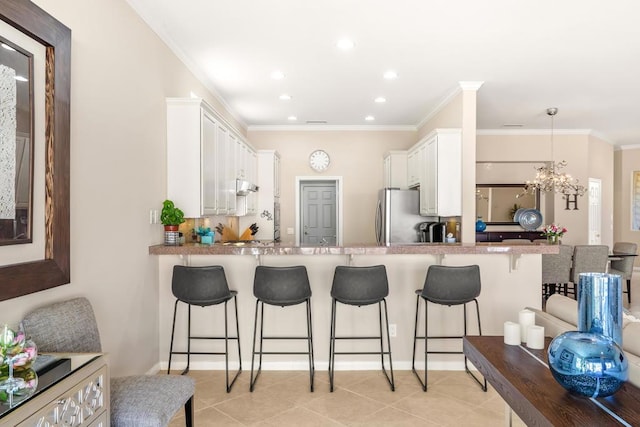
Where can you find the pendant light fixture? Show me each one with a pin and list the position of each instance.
(550, 179)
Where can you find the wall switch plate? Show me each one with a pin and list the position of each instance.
(392, 330)
(153, 216)
(289, 230)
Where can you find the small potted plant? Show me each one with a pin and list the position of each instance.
(171, 217)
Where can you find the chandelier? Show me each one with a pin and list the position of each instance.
(550, 179)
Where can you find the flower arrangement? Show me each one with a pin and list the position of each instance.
(16, 350)
(553, 230)
(553, 233)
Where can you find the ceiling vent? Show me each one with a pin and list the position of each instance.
(316, 122)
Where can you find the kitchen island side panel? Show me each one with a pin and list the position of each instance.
(505, 291)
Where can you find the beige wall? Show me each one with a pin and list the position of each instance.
(626, 162)
(449, 116)
(356, 156)
(587, 157)
(121, 73)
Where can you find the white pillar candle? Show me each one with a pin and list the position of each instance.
(511, 333)
(535, 337)
(526, 318)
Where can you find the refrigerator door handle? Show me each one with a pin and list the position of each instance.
(379, 222)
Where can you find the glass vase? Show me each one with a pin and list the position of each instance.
(553, 240)
(590, 362)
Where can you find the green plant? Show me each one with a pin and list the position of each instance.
(170, 214)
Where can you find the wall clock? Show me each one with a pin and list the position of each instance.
(319, 160)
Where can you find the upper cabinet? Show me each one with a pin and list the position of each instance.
(204, 159)
(435, 165)
(395, 169)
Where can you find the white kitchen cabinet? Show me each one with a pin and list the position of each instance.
(413, 167)
(440, 156)
(204, 159)
(395, 169)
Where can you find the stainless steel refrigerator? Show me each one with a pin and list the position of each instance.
(397, 216)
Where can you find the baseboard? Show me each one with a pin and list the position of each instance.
(320, 366)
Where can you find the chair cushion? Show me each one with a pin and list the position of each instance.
(148, 400)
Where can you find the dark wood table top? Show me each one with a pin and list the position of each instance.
(530, 390)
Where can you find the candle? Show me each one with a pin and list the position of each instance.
(535, 337)
(526, 318)
(511, 333)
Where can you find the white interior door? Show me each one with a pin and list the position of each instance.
(318, 209)
(595, 211)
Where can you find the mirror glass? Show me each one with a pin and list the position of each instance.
(497, 203)
(16, 143)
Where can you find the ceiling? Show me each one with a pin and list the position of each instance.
(581, 56)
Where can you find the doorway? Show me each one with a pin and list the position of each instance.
(319, 211)
(595, 211)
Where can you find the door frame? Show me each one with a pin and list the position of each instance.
(339, 220)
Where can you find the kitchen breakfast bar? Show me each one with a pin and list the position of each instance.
(511, 280)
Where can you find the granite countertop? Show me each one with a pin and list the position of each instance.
(354, 249)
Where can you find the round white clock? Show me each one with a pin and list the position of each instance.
(319, 160)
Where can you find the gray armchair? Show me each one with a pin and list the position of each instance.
(144, 400)
(589, 259)
(624, 265)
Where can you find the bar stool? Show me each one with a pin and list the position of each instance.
(449, 286)
(358, 286)
(281, 286)
(204, 286)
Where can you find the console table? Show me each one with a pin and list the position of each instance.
(499, 236)
(75, 394)
(527, 386)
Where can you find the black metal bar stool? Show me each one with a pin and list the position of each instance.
(204, 286)
(447, 286)
(360, 286)
(281, 286)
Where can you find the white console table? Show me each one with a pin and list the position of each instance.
(78, 396)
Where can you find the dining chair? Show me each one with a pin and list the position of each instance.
(588, 259)
(138, 400)
(556, 271)
(623, 265)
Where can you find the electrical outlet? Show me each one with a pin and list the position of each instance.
(392, 329)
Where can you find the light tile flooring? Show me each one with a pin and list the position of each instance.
(282, 398)
(360, 398)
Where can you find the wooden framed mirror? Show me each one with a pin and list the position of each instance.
(53, 267)
(497, 203)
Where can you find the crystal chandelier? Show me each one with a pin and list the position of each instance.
(549, 177)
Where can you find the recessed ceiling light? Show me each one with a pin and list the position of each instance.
(285, 97)
(292, 118)
(390, 75)
(369, 118)
(380, 100)
(21, 79)
(345, 44)
(6, 46)
(277, 75)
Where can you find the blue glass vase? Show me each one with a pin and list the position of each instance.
(590, 362)
(480, 225)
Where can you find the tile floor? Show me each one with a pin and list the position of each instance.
(282, 398)
(360, 398)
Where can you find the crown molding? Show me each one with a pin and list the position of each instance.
(628, 147)
(471, 85)
(443, 103)
(293, 128)
(498, 132)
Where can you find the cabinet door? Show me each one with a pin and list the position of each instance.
(429, 184)
(413, 168)
(208, 167)
(230, 174)
(221, 170)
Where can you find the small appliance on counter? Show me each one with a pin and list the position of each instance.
(432, 232)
